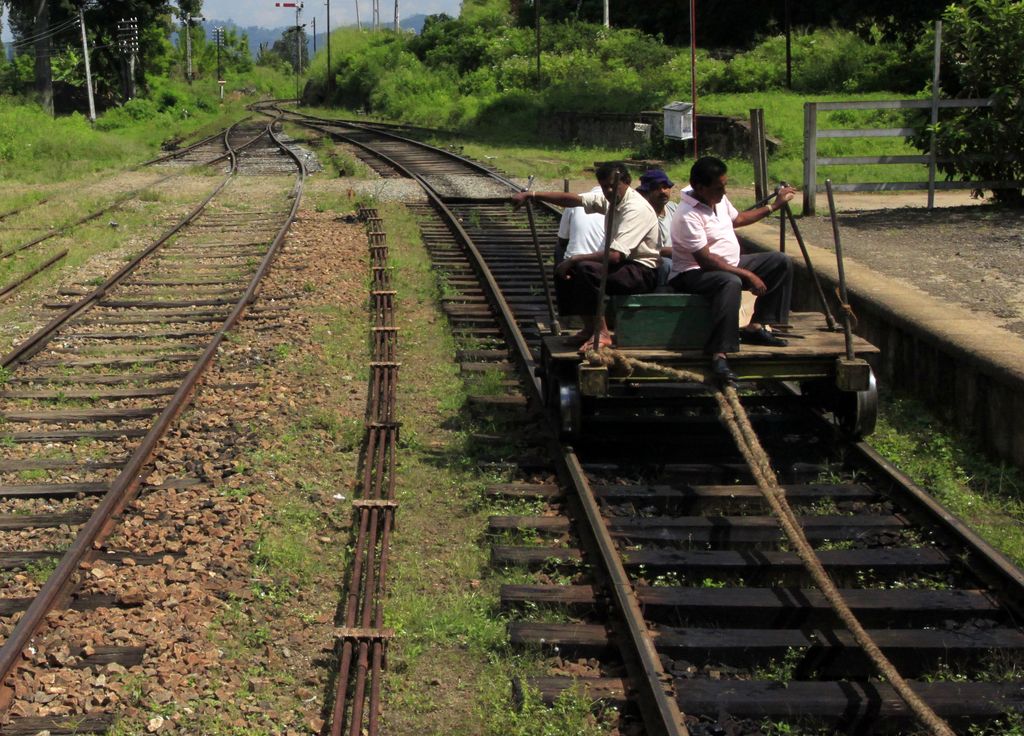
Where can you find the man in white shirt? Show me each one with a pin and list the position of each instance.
(706, 260)
(633, 255)
(578, 233)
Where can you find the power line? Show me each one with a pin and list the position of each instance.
(50, 33)
(70, 23)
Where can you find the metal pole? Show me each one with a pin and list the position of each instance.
(789, 48)
(847, 329)
(935, 114)
(693, 70)
(314, 35)
(298, 52)
(788, 213)
(358, 24)
(188, 47)
(556, 329)
(398, 25)
(330, 74)
(88, 71)
(536, 18)
(608, 225)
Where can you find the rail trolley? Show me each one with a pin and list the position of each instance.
(668, 329)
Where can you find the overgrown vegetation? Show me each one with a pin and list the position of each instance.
(469, 74)
(984, 494)
(984, 45)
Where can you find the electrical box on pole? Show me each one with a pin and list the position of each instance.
(678, 121)
(128, 43)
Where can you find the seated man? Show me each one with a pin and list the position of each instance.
(656, 188)
(706, 260)
(632, 259)
(578, 233)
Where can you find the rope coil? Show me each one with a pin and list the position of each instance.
(737, 422)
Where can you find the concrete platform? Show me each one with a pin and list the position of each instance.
(954, 359)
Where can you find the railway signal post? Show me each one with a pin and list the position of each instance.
(298, 41)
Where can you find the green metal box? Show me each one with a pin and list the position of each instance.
(667, 321)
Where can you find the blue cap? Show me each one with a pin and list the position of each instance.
(654, 179)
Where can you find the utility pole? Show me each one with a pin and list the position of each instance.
(607, 20)
(88, 71)
(330, 74)
(128, 42)
(536, 18)
(358, 24)
(314, 35)
(398, 25)
(218, 33)
(376, 15)
(693, 72)
(188, 43)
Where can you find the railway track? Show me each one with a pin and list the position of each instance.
(86, 400)
(209, 151)
(697, 616)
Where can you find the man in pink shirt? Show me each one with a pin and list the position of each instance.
(706, 260)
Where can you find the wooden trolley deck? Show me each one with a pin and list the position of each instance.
(811, 353)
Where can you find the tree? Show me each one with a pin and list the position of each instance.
(30, 19)
(292, 47)
(52, 27)
(983, 56)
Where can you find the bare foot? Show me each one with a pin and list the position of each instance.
(582, 336)
(604, 340)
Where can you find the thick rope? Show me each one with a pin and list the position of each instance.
(735, 418)
(847, 310)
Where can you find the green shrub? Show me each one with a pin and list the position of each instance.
(985, 41)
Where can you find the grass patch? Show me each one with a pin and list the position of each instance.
(451, 666)
(986, 495)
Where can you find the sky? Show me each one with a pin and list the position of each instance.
(343, 12)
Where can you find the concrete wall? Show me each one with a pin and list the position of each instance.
(725, 136)
(965, 369)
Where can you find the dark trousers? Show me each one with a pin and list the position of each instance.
(579, 293)
(723, 290)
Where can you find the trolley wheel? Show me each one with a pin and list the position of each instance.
(857, 411)
(570, 410)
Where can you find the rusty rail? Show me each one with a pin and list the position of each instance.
(125, 485)
(361, 641)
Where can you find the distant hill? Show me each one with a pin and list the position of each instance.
(259, 35)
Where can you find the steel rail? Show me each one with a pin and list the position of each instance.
(182, 151)
(129, 479)
(38, 340)
(641, 659)
(367, 580)
(640, 656)
(522, 351)
(981, 558)
(987, 562)
(120, 199)
(6, 290)
(468, 162)
(158, 159)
